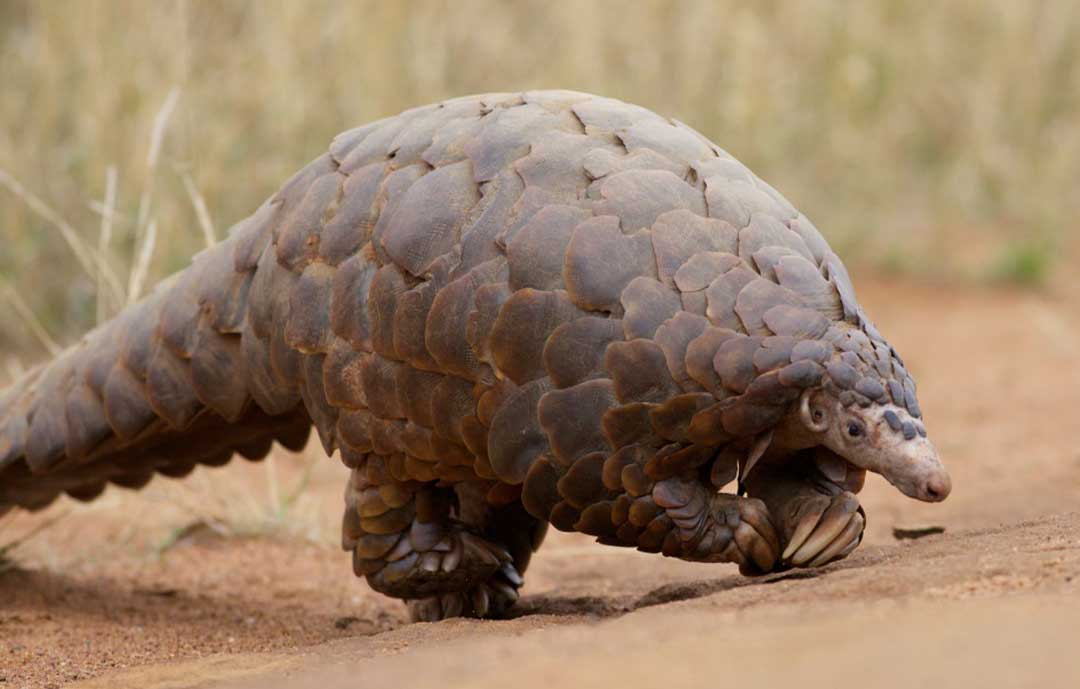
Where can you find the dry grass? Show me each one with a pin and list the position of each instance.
(11, 543)
(891, 123)
(897, 126)
(286, 497)
(267, 500)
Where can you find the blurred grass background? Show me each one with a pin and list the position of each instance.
(935, 139)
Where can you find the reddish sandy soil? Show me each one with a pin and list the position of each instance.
(98, 600)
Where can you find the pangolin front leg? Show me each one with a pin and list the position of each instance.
(657, 502)
(410, 539)
(814, 506)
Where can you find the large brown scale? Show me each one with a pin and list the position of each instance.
(504, 311)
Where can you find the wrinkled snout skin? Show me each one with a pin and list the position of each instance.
(915, 469)
(909, 463)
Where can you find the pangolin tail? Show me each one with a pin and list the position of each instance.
(194, 373)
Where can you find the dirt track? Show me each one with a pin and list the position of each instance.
(948, 612)
(992, 602)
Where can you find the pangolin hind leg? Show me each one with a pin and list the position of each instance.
(495, 512)
(813, 504)
(410, 541)
(707, 526)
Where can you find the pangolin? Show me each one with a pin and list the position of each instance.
(505, 311)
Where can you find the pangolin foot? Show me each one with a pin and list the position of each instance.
(823, 529)
(491, 598)
(450, 573)
(754, 543)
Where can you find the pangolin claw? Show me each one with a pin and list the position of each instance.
(847, 538)
(757, 549)
(802, 531)
(492, 597)
(822, 534)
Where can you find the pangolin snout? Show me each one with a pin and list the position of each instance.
(936, 487)
(918, 472)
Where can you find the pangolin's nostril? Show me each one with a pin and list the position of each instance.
(938, 487)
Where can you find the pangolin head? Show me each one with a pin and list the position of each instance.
(866, 411)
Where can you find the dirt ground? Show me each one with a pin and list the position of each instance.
(120, 594)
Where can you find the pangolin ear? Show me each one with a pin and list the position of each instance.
(813, 414)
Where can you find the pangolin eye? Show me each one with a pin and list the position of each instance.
(854, 429)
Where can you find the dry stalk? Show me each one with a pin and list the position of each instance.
(104, 239)
(157, 136)
(201, 211)
(142, 264)
(90, 261)
(27, 315)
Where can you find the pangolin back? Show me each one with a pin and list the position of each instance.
(510, 286)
